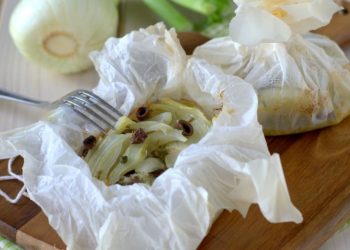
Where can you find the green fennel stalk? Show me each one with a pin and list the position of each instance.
(169, 14)
(217, 13)
(204, 7)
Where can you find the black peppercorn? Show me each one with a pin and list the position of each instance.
(142, 113)
(90, 142)
(185, 126)
(139, 136)
(124, 159)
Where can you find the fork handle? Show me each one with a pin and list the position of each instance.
(21, 99)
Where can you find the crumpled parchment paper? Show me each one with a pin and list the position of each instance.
(302, 85)
(230, 168)
(266, 21)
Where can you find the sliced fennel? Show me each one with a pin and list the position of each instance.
(150, 165)
(123, 124)
(173, 150)
(158, 139)
(184, 112)
(151, 126)
(107, 154)
(135, 155)
(59, 34)
(147, 142)
(165, 117)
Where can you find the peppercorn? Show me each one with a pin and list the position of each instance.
(142, 113)
(185, 126)
(124, 159)
(90, 142)
(139, 136)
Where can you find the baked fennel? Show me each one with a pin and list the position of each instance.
(146, 143)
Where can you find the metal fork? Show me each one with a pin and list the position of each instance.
(85, 103)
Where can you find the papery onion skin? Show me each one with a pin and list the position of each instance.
(60, 34)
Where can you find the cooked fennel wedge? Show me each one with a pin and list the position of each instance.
(107, 153)
(146, 143)
(187, 113)
(134, 156)
(165, 117)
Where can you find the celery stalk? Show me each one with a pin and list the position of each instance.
(169, 14)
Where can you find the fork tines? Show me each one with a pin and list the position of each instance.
(93, 108)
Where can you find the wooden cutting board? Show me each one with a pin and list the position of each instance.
(317, 170)
(339, 28)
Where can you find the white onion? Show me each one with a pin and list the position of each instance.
(59, 34)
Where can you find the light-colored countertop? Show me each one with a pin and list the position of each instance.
(23, 77)
(20, 76)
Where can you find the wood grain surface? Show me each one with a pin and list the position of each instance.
(14, 217)
(339, 28)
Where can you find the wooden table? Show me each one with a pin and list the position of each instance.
(315, 166)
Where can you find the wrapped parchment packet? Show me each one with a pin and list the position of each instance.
(302, 80)
(229, 168)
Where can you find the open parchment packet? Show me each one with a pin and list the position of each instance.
(230, 168)
(302, 80)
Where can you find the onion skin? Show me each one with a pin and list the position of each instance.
(60, 34)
